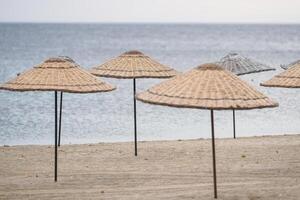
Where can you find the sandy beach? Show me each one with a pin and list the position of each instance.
(247, 168)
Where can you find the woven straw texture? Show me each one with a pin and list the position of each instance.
(290, 65)
(133, 64)
(57, 74)
(240, 65)
(207, 87)
(289, 78)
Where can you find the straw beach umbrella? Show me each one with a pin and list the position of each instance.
(290, 65)
(286, 79)
(57, 74)
(207, 87)
(241, 65)
(133, 65)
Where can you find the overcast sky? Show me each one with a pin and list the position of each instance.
(199, 11)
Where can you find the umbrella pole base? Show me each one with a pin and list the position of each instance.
(135, 124)
(214, 154)
(55, 140)
(233, 113)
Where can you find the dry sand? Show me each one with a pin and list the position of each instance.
(247, 168)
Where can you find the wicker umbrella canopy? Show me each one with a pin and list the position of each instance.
(57, 74)
(133, 65)
(207, 87)
(287, 79)
(290, 65)
(240, 65)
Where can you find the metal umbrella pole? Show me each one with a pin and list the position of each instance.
(135, 127)
(233, 112)
(60, 113)
(213, 153)
(55, 136)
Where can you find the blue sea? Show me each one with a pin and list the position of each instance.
(28, 117)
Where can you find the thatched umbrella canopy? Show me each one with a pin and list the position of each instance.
(241, 65)
(290, 65)
(207, 87)
(133, 65)
(57, 74)
(287, 79)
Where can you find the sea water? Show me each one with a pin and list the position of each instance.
(28, 117)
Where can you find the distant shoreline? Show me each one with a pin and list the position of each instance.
(145, 141)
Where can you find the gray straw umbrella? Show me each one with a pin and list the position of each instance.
(133, 65)
(241, 65)
(207, 87)
(57, 74)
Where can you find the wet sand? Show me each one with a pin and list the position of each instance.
(247, 168)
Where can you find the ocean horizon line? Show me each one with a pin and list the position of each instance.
(152, 23)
